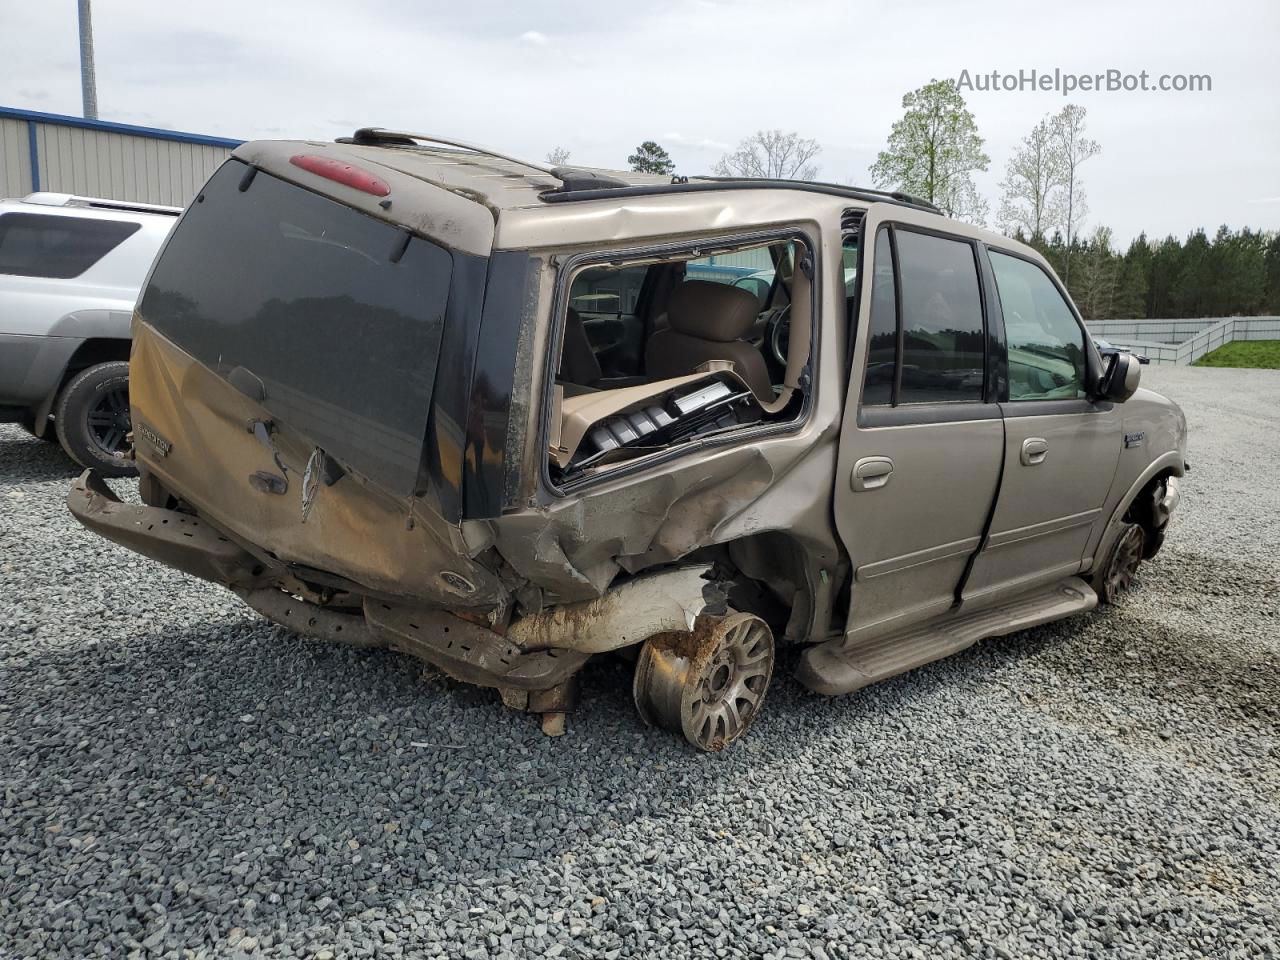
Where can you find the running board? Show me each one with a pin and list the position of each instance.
(837, 666)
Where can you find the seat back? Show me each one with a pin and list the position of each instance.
(706, 321)
(578, 361)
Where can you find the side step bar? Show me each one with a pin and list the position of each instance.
(837, 666)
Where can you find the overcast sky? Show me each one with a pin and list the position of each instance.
(597, 77)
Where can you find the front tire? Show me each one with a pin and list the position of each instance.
(92, 419)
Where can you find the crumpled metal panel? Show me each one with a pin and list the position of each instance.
(395, 546)
(576, 547)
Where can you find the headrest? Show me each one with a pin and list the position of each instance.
(712, 311)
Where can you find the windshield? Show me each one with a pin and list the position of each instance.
(337, 316)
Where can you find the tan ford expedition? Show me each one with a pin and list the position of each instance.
(398, 391)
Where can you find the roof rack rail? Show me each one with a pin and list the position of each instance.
(49, 199)
(701, 184)
(571, 178)
(896, 195)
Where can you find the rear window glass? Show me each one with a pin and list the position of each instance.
(42, 245)
(942, 328)
(882, 331)
(327, 308)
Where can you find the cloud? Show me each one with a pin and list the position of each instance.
(709, 73)
(697, 143)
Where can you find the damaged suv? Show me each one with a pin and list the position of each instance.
(399, 391)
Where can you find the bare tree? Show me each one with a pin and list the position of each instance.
(558, 156)
(771, 154)
(1031, 184)
(1073, 149)
(959, 198)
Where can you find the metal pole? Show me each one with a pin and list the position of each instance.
(88, 84)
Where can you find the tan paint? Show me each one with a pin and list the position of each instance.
(548, 572)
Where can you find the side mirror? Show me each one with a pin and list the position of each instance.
(1121, 379)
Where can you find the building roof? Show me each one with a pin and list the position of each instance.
(106, 126)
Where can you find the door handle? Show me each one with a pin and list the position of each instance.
(871, 473)
(1034, 450)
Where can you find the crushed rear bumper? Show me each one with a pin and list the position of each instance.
(176, 539)
(462, 648)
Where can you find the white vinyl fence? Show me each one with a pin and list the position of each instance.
(1183, 341)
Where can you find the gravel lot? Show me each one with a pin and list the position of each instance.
(181, 779)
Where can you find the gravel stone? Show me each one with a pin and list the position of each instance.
(179, 778)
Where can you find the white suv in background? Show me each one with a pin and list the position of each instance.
(70, 272)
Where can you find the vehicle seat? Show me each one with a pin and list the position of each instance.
(706, 322)
(578, 362)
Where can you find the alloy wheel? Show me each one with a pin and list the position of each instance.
(108, 420)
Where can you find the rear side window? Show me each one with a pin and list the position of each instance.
(1046, 344)
(942, 331)
(39, 245)
(882, 332)
(926, 336)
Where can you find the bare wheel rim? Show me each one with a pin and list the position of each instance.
(731, 686)
(1125, 560)
(108, 419)
(710, 684)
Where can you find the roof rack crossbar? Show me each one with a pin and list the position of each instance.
(379, 135)
(571, 178)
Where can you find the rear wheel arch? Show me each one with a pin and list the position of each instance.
(94, 351)
(797, 585)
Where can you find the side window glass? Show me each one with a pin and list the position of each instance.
(882, 332)
(1046, 344)
(39, 245)
(943, 341)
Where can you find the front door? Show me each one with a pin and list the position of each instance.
(920, 451)
(1061, 448)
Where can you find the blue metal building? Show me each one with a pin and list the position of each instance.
(95, 158)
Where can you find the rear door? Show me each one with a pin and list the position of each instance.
(53, 263)
(922, 437)
(1061, 448)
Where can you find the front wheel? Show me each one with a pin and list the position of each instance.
(92, 419)
(1117, 575)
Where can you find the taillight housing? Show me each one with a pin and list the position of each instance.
(345, 173)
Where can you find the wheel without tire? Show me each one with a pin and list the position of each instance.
(1117, 576)
(92, 418)
(709, 684)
